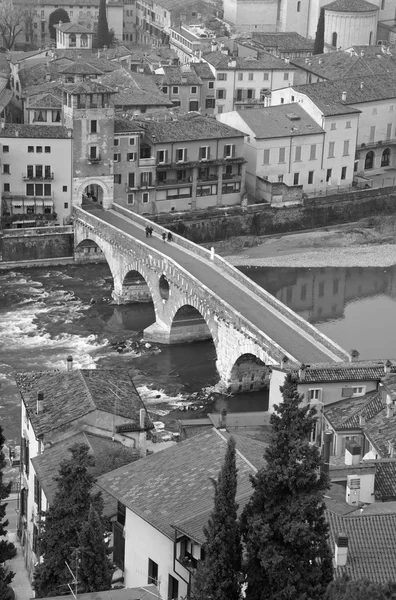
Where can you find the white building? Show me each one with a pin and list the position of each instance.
(73, 35)
(349, 23)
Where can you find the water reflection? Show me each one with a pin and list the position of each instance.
(321, 295)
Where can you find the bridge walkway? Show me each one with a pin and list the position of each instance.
(286, 334)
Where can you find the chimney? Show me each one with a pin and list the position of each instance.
(79, 55)
(389, 408)
(223, 418)
(301, 372)
(353, 453)
(320, 60)
(184, 78)
(99, 53)
(69, 362)
(327, 440)
(343, 96)
(142, 418)
(40, 402)
(60, 23)
(354, 353)
(362, 420)
(341, 550)
(388, 366)
(361, 85)
(283, 362)
(232, 64)
(17, 133)
(362, 53)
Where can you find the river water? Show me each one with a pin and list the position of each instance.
(48, 313)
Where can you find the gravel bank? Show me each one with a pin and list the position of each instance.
(369, 255)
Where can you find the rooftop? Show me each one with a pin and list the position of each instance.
(266, 61)
(69, 395)
(351, 6)
(283, 120)
(134, 90)
(385, 480)
(203, 70)
(14, 130)
(380, 430)
(178, 76)
(81, 68)
(126, 125)
(170, 487)
(345, 414)
(345, 371)
(191, 127)
(73, 28)
(87, 87)
(282, 40)
(45, 101)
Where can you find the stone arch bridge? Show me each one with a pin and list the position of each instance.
(198, 296)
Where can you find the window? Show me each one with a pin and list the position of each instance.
(37, 493)
(372, 134)
(310, 177)
(64, 189)
(47, 149)
(333, 126)
(116, 142)
(117, 157)
(303, 292)
(315, 394)
(6, 169)
(343, 172)
(282, 100)
(334, 39)
(181, 154)
(220, 109)
(221, 94)
(194, 105)
(382, 4)
(266, 160)
(240, 76)
(204, 153)
(210, 103)
(39, 148)
(297, 156)
(359, 390)
(348, 125)
(266, 76)
(145, 197)
(194, 89)
(131, 156)
(146, 178)
(250, 76)
(175, 89)
(328, 175)
(369, 160)
(280, 178)
(296, 178)
(391, 108)
(7, 187)
(93, 152)
(210, 85)
(312, 154)
(162, 157)
(152, 572)
(117, 178)
(298, 6)
(65, 205)
(30, 189)
(94, 126)
(346, 148)
(231, 188)
(331, 149)
(56, 116)
(7, 148)
(285, 76)
(229, 150)
(282, 154)
(374, 111)
(47, 189)
(221, 76)
(131, 141)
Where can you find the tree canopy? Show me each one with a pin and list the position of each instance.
(319, 37)
(218, 573)
(283, 524)
(343, 588)
(59, 14)
(7, 549)
(95, 570)
(64, 520)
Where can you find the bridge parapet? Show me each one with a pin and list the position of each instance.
(233, 272)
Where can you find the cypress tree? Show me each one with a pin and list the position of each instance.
(218, 574)
(95, 570)
(59, 14)
(283, 525)
(103, 28)
(7, 549)
(64, 521)
(320, 31)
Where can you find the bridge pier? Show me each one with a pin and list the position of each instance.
(132, 293)
(186, 330)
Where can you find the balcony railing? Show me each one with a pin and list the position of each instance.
(249, 100)
(43, 177)
(94, 161)
(231, 176)
(187, 180)
(209, 177)
(147, 162)
(375, 143)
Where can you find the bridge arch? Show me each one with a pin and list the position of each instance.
(249, 373)
(190, 322)
(105, 186)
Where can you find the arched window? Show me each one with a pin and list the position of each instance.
(298, 6)
(84, 40)
(385, 158)
(370, 38)
(369, 161)
(334, 40)
(72, 40)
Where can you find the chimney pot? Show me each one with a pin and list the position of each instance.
(362, 420)
(223, 418)
(301, 372)
(361, 85)
(354, 353)
(388, 366)
(40, 400)
(341, 550)
(69, 361)
(284, 361)
(343, 96)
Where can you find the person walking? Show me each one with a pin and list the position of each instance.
(151, 231)
(164, 237)
(147, 230)
(170, 236)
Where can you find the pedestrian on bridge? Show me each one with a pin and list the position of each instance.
(164, 237)
(170, 236)
(147, 230)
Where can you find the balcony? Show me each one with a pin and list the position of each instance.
(94, 161)
(206, 178)
(173, 182)
(248, 100)
(147, 162)
(375, 144)
(42, 177)
(231, 176)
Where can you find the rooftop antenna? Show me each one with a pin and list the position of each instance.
(74, 582)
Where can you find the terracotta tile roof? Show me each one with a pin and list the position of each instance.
(172, 485)
(389, 382)
(125, 125)
(73, 28)
(283, 40)
(283, 120)
(189, 128)
(87, 87)
(40, 73)
(176, 76)
(69, 395)
(345, 371)
(81, 68)
(133, 89)
(371, 545)
(351, 6)
(34, 131)
(345, 414)
(203, 70)
(45, 101)
(385, 480)
(53, 87)
(380, 430)
(266, 61)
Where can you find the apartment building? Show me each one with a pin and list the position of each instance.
(36, 175)
(183, 87)
(246, 82)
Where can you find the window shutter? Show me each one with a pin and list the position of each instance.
(200, 154)
(142, 179)
(166, 156)
(233, 150)
(158, 156)
(208, 153)
(225, 151)
(150, 178)
(185, 154)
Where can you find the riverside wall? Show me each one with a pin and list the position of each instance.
(36, 244)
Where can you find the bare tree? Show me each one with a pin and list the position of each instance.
(11, 22)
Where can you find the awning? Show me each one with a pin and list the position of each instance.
(16, 202)
(48, 203)
(28, 202)
(39, 201)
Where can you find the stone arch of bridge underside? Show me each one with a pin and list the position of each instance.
(248, 374)
(135, 288)
(88, 251)
(189, 325)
